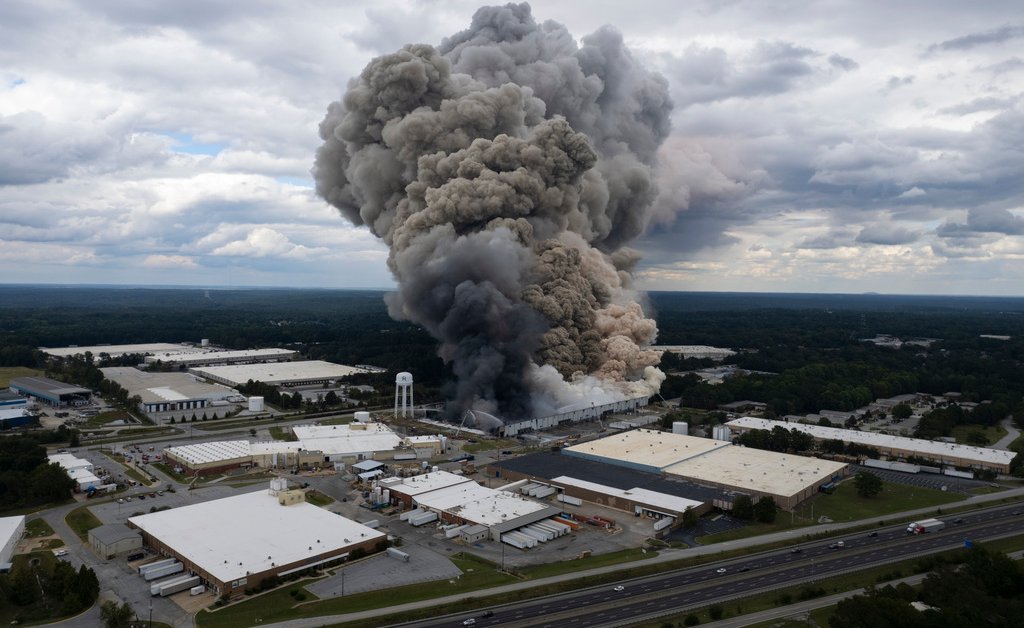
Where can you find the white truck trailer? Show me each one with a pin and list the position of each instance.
(925, 526)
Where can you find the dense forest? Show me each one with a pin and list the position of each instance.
(805, 352)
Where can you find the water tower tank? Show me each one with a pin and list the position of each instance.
(403, 394)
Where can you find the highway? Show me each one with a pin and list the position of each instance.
(646, 599)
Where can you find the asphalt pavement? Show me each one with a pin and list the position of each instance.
(663, 557)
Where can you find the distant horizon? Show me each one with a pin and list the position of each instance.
(129, 286)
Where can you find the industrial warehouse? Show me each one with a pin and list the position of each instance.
(50, 391)
(168, 392)
(207, 357)
(786, 478)
(301, 373)
(455, 499)
(636, 492)
(78, 469)
(281, 535)
(964, 456)
(114, 351)
(317, 446)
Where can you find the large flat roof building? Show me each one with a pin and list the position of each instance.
(644, 450)
(50, 391)
(114, 351)
(301, 373)
(317, 445)
(352, 441)
(787, 479)
(462, 501)
(167, 392)
(11, 531)
(207, 357)
(275, 539)
(967, 456)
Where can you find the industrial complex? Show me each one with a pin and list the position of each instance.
(899, 447)
(303, 373)
(78, 469)
(169, 392)
(231, 558)
(786, 478)
(209, 357)
(51, 392)
(317, 446)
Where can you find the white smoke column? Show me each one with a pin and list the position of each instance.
(506, 170)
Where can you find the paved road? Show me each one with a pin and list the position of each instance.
(1011, 434)
(802, 608)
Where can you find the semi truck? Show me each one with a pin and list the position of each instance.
(925, 526)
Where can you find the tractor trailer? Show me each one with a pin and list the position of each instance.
(925, 526)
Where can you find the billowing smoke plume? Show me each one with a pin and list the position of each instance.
(506, 170)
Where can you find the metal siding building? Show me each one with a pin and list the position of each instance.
(50, 391)
(113, 539)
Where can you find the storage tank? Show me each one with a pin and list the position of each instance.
(255, 404)
(363, 416)
(205, 342)
(721, 432)
(681, 427)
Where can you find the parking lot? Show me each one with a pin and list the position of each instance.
(928, 480)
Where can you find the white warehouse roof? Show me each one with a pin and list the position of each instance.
(354, 438)
(929, 448)
(757, 469)
(209, 355)
(272, 535)
(214, 451)
(426, 482)
(277, 373)
(642, 495)
(647, 447)
(114, 351)
(69, 462)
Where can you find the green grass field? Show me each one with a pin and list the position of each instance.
(846, 505)
(9, 372)
(278, 605)
(318, 499)
(37, 528)
(992, 434)
(81, 520)
(110, 416)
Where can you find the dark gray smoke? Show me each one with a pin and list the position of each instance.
(506, 170)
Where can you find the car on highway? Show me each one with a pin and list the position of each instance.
(873, 534)
(488, 614)
(744, 569)
(1015, 512)
(721, 570)
(469, 622)
(619, 589)
(958, 521)
(795, 550)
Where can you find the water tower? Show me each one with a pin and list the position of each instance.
(403, 389)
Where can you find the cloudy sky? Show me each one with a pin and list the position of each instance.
(834, 146)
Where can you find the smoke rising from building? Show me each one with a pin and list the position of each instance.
(507, 170)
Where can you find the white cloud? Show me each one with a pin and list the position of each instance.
(841, 146)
